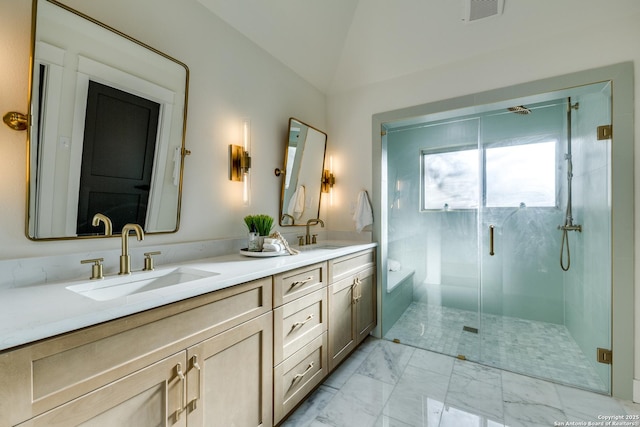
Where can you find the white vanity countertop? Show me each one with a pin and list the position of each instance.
(31, 313)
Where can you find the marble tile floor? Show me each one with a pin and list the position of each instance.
(539, 349)
(384, 384)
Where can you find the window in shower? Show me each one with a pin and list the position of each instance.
(524, 173)
(450, 179)
(512, 175)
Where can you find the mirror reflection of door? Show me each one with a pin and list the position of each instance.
(117, 158)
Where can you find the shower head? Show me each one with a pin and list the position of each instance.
(520, 109)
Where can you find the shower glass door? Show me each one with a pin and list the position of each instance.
(431, 294)
(473, 245)
(535, 317)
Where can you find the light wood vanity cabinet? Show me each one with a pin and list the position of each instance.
(352, 303)
(123, 368)
(245, 355)
(227, 377)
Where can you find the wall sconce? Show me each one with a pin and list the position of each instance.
(328, 181)
(15, 120)
(240, 162)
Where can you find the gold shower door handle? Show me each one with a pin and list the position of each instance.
(491, 251)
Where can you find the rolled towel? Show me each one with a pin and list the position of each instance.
(277, 236)
(272, 247)
(394, 265)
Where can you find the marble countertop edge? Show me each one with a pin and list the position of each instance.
(36, 312)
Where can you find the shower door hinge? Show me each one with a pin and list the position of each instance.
(605, 356)
(605, 132)
(383, 132)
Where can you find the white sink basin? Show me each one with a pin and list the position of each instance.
(138, 282)
(320, 246)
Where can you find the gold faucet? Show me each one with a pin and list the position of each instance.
(108, 227)
(125, 258)
(312, 222)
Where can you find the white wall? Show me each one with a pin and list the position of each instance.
(350, 112)
(230, 79)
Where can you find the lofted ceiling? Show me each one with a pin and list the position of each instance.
(340, 44)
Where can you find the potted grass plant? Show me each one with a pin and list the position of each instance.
(258, 224)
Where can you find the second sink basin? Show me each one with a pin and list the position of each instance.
(319, 246)
(138, 282)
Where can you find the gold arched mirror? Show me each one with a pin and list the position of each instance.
(106, 131)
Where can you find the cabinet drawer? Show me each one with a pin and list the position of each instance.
(298, 375)
(157, 388)
(59, 369)
(347, 265)
(293, 284)
(298, 322)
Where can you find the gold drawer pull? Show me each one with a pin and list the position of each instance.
(183, 380)
(301, 282)
(298, 324)
(297, 377)
(194, 364)
(356, 290)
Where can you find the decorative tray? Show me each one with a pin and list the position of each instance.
(249, 253)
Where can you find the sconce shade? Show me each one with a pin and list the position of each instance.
(15, 120)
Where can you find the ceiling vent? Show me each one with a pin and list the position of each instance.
(480, 9)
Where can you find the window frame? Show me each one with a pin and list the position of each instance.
(482, 178)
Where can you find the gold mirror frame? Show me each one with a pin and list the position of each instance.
(167, 84)
(304, 158)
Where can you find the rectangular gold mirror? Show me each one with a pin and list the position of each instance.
(302, 181)
(106, 131)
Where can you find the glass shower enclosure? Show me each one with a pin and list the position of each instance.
(498, 235)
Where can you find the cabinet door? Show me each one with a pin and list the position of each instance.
(366, 303)
(230, 377)
(150, 397)
(342, 336)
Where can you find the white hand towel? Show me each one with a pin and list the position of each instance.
(277, 236)
(272, 247)
(363, 215)
(296, 204)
